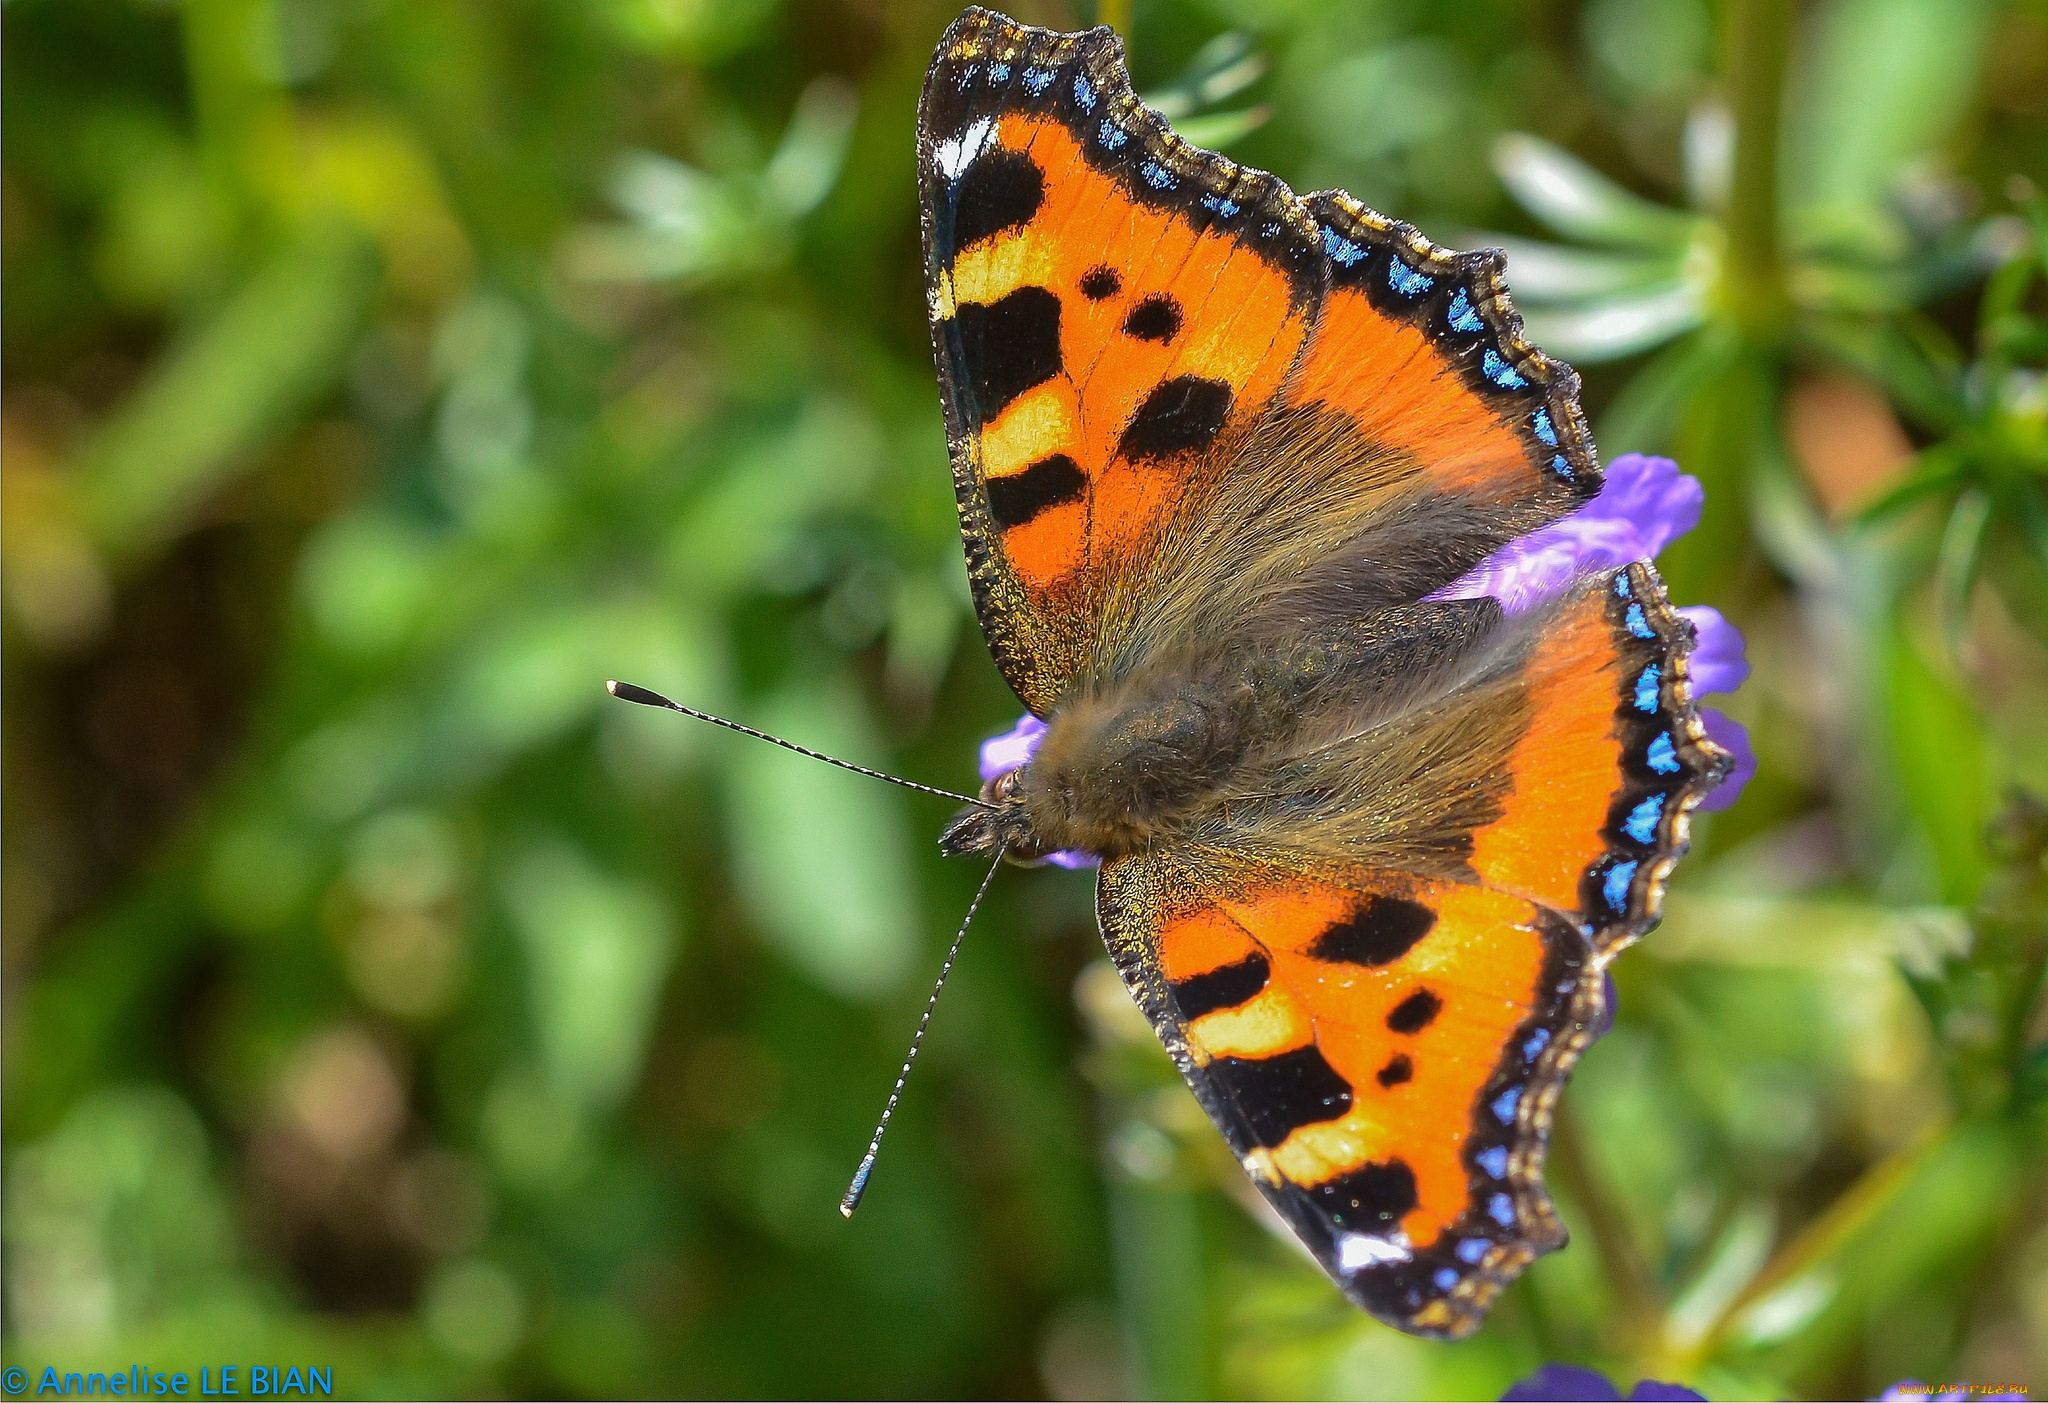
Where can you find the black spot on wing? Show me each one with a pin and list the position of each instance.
(1100, 282)
(1001, 190)
(1278, 1095)
(1181, 414)
(1415, 1012)
(1047, 483)
(1007, 347)
(1398, 1069)
(1155, 318)
(1377, 932)
(1372, 1200)
(1220, 988)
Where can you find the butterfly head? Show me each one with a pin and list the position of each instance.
(1000, 820)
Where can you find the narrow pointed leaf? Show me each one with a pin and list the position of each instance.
(1578, 201)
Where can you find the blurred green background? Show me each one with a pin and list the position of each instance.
(383, 375)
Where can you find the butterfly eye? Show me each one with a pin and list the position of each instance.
(1005, 786)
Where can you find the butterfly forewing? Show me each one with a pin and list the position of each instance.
(1112, 309)
(1145, 348)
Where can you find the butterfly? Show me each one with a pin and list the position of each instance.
(1366, 851)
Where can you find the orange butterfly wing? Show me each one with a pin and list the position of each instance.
(1380, 1052)
(1139, 343)
(1111, 309)
(1609, 765)
(1419, 347)
(1381, 1047)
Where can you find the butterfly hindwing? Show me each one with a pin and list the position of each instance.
(1377, 996)
(1610, 763)
(1380, 1052)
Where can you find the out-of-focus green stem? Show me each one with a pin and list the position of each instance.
(1117, 15)
(1844, 1219)
(1757, 41)
(1637, 1297)
(230, 102)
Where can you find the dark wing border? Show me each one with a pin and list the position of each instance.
(1622, 891)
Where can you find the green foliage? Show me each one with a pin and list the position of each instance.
(382, 378)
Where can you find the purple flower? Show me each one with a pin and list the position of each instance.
(1732, 736)
(1645, 505)
(1008, 751)
(1562, 1383)
(1717, 663)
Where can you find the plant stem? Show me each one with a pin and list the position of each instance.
(1756, 46)
(1636, 1294)
(1117, 15)
(1842, 1220)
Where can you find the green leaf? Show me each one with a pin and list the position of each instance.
(826, 457)
(1220, 69)
(1938, 750)
(1912, 360)
(1934, 471)
(1217, 131)
(1646, 412)
(821, 853)
(1547, 272)
(1579, 202)
(1910, 1223)
(540, 669)
(598, 947)
(220, 395)
(1962, 552)
(1887, 80)
(813, 151)
(1615, 327)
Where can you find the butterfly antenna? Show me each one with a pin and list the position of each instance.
(859, 1185)
(626, 691)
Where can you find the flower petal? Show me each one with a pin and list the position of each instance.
(1645, 505)
(1732, 736)
(1563, 1383)
(1010, 750)
(1651, 494)
(1718, 663)
(1654, 1391)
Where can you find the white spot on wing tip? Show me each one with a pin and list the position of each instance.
(957, 155)
(1356, 1251)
